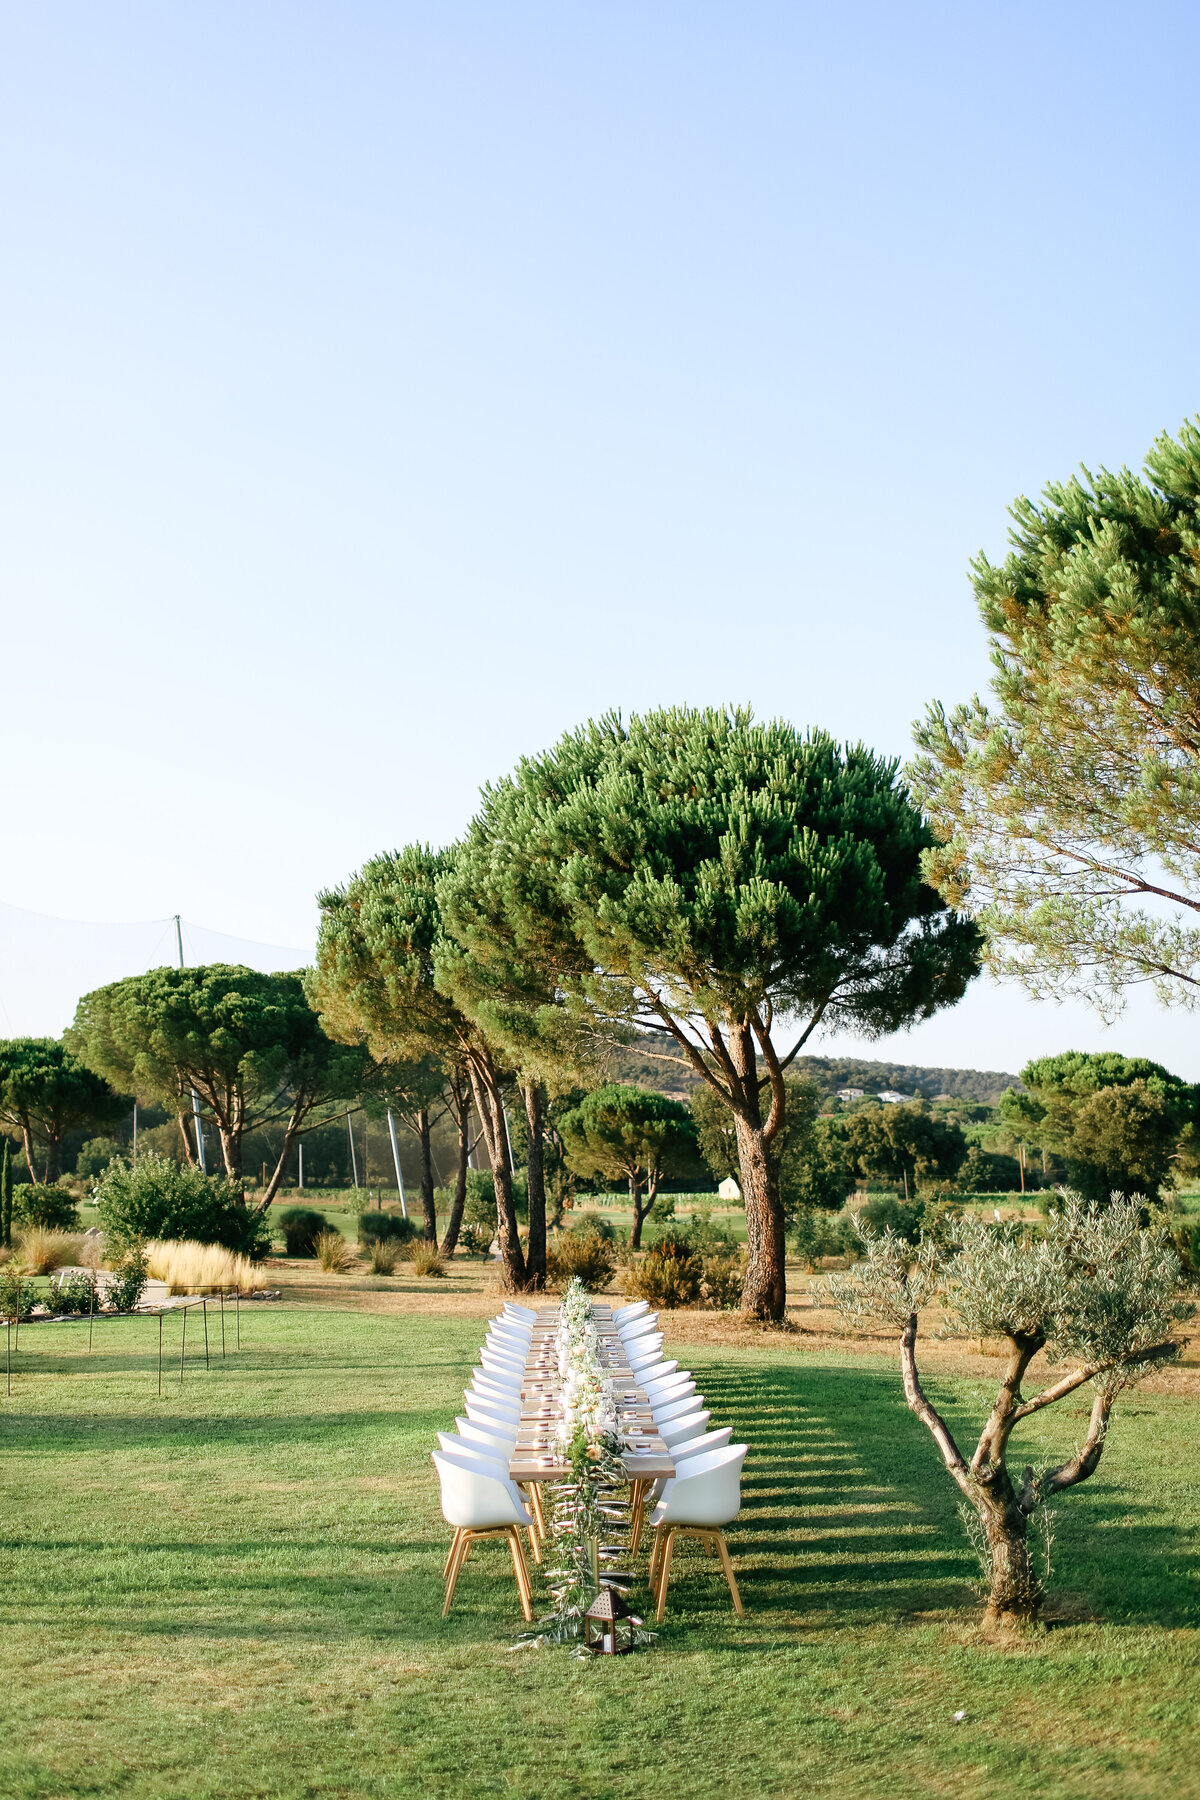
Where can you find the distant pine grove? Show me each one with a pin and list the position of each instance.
(670, 1075)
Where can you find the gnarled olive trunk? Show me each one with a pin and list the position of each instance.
(1015, 1592)
(535, 1252)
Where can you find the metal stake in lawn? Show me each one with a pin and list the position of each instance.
(204, 1310)
(91, 1311)
(8, 1358)
(182, 1342)
(160, 1353)
(222, 1321)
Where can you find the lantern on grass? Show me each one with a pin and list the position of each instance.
(609, 1628)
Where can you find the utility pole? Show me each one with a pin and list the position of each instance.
(300, 1147)
(195, 1095)
(396, 1160)
(135, 1131)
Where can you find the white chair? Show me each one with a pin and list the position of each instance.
(685, 1426)
(493, 1437)
(701, 1445)
(632, 1311)
(527, 1313)
(699, 1504)
(668, 1387)
(638, 1328)
(503, 1367)
(480, 1504)
(675, 1406)
(519, 1336)
(492, 1412)
(649, 1344)
(506, 1387)
(655, 1368)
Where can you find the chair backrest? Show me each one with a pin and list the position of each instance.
(488, 1436)
(673, 1406)
(709, 1492)
(473, 1499)
(701, 1446)
(631, 1311)
(673, 1387)
(505, 1385)
(503, 1365)
(638, 1348)
(488, 1460)
(637, 1328)
(484, 1407)
(656, 1369)
(686, 1425)
(505, 1345)
(520, 1312)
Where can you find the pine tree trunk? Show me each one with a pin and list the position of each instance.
(189, 1152)
(639, 1211)
(231, 1152)
(428, 1203)
(462, 1109)
(485, 1087)
(27, 1140)
(764, 1295)
(535, 1252)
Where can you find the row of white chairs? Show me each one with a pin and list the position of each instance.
(480, 1500)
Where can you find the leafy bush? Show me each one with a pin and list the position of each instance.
(382, 1227)
(42, 1251)
(887, 1212)
(426, 1260)
(479, 1207)
(584, 1254)
(123, 1294)
(668, 1276)
(158, 1198)
(385, 1254)
(333, 1252)
(721, 1281)
(476, 1240)
(302, 1226)
(816, 1234)
(95, 1157)
(16, 1294)
(593, 1225)
(74, 1293)
(50, 1208)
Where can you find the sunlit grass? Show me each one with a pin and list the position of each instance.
(235, 1590)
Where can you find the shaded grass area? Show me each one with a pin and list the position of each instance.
(236, 1590)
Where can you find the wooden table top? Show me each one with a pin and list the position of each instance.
(532, 1458)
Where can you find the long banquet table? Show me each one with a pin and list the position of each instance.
(534, 1459)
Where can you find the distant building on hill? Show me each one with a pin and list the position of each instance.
(891, 1098)
(852, 1093)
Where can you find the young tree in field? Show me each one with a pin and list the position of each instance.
(1116, 1121)
(374, 983)
(1100, 1296)
(47, 1092)
(249, 1044)
(1067, 810)
(905, 1144)
(414, 1091)
(727, 885)
(635, 1135)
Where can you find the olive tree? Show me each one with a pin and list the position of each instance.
(724, 885)
(1094, 1292)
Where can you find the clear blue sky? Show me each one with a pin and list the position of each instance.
(389, 387)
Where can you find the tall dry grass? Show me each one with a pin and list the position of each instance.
(41, 1251)
(187, 1266)
(333, 1253)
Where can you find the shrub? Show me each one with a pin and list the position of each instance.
(476, 1240)
(426, 1260)
(817, 1234)
(333, 1253)
(668, 1276)
(48, 1208)
(74, 1293)
(158, 1198)
(302, 1226)
(479, 1208)
(384, 1255)
(593, 1225)
(888, 1212)
(721, 1281)
(584, 1254)
(123, 1294)
(16, 1294)
(385, 1227)
(42, 1251)
(186, 1267)
(95, 1157)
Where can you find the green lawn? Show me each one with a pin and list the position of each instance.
(235, 1590)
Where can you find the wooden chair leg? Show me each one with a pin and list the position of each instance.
(534, 1547)
(524, 1587)
(710, 1543)
(723, 1547)
(637, 1516)
(655, 1552)
(665, 1576)
(535, 1495)
(457, 1559)
(453, 1548)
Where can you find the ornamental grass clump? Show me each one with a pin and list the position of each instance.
(190, 1267)
(385, 1253)
(584, 1256)
(42, 1250)
(333, 1253)
(426, 1260)
(1093, 1290)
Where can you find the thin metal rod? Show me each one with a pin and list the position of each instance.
(353, 1157)
(91, 1311)
(222, 1321)
(237, 1308)
(396, 1160)
(204, 1309)
(8, 1357)
(160, 1353)
(182, 1344)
